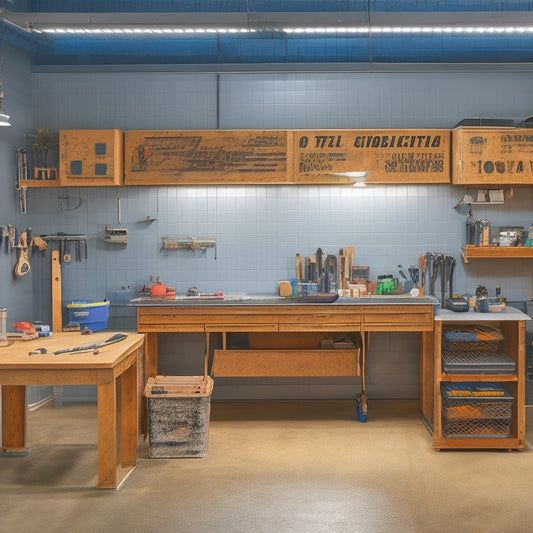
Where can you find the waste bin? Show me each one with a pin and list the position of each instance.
(178, 415)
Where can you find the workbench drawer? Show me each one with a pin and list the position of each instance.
(319, 320)
(286, 363)
(240, 328)
(415, 320)
(318, 327)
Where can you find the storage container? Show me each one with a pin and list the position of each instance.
(178, 415)
(476, 410)
(471, 339)
(475, 362)
(92, 315)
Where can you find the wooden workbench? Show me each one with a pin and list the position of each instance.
(114, 370)
(282, 316)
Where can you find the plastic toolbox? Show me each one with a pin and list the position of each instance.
(477, 363)
(476, 410)
(92, 315)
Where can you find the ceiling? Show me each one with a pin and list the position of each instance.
(268, 34)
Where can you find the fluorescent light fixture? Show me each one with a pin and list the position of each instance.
(396, 30)
(357, 177)
(4, 120)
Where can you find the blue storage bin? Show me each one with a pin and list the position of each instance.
(92, 315)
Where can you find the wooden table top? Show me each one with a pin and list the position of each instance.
(16, 355)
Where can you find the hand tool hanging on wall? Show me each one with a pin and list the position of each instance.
(11, 237)
(22, 266)
(22, 174)
(65, 244)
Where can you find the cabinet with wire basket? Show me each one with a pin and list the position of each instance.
(479, 386)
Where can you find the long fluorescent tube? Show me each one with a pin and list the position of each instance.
(395, 30)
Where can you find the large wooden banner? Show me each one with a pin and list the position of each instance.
(492, 156)
(205, 156)
(386, 156)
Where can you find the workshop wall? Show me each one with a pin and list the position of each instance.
(15, 71)
(15, 295)
(259, 229)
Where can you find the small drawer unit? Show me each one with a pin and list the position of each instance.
(476, 410)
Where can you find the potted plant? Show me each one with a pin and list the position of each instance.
(44, 140)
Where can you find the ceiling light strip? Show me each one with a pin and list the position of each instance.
(466, 30)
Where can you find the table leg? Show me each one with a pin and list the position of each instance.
(150, 356)
(128, 417)
(14, 419)
(150, 371)
(107, 435)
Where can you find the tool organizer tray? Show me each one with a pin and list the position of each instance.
(477, 362)
(471, 338)
(476, 410)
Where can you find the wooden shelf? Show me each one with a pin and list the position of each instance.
(452, 378)
(39, 183)
(470, 251)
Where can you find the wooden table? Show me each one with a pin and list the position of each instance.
(114, 370)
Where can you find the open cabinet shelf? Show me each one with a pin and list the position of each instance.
(469, 251)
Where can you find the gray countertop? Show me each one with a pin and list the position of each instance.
(272, 299)
(510, 313)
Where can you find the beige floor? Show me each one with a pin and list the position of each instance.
(271, 467)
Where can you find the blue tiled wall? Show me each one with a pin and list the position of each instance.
(259, 229)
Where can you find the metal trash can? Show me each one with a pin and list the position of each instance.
(178, 415)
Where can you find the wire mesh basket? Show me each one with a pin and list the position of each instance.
(477, 411)
(471, 338)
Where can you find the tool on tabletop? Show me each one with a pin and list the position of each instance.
(422, 264)
(330, 282)
(94, 346)
(28, 331)
(298, 268)
(402, 273)
(320, 270)
(38, 351)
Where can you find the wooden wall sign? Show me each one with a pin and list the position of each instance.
(179, 157)
(492, 156)
(90, 157)
(388, 156)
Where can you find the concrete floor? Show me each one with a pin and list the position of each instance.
(271, 467)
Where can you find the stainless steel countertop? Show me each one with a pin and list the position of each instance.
(272, 299)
